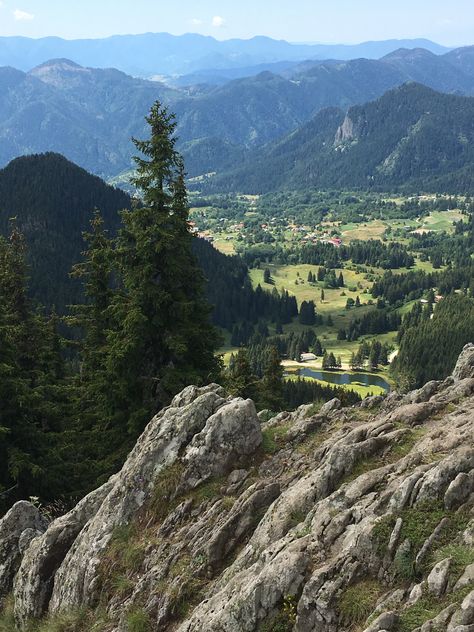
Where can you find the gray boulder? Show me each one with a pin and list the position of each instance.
(23, 521)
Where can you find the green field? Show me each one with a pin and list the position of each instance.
(334, 305)
(358, 280)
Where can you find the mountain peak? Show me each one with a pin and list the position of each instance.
(405, 54)
(54, 71)
(60, 63)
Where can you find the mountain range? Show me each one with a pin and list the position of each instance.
(150, 54)
(412, 138)
(89, 115)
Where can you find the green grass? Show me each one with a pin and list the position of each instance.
(356, 387)
(138, 621)
(426, 609)
(418, 523)
(357, 602)
(284, 277)
(282, 621)
(78, 620)
(273, 439)
(461, 556)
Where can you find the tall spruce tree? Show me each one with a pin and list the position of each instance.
(162, 338)
(92, 318)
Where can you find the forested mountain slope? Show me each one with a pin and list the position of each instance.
(89, 115)
(52, 201)
(412, 138)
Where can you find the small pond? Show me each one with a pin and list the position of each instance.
(343, 379)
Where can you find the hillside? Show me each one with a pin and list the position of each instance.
(412, 138)
(53, 200)
(90, 114)
(331, 521)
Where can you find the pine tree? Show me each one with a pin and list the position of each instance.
(161, 337)
(322, 296)
(30, 372)
(92, 318)
(241, 382)
(271, 386)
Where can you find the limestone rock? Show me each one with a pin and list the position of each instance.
(231, 433)
(465, 365)
(385, 621)
(438, 578)
(35, 577)
(459, 490)
(226, 535)
(328, 407)
(466, 579)
(23, 521)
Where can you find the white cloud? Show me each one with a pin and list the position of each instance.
(218, 21)
(196, 22)
(22, 16)
(2, 4)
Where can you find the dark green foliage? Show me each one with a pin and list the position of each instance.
(372, 252)
(271, 386)
(430, 347)
(241, 381)
(31, 385)
(53, 201)
(307, 313)
(160, 338)
(378, 321)
(230, 292)
(302, 391)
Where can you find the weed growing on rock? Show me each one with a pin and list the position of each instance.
(358, 601)
(138, 620)
(273, 439)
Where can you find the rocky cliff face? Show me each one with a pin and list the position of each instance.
(341, 520)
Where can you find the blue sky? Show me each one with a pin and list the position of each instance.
(449, 22)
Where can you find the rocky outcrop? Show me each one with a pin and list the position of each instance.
(18, 528)
(358, 518)
(465, 365)
(346, 132)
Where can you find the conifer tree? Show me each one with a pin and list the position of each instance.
(162, 339)
(30, 370)
(271, 386)
(92, 318)
(241, 382)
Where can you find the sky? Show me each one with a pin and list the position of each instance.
(449, 22)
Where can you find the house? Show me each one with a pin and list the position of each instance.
(308, 357)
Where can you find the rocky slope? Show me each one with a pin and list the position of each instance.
(331, 521)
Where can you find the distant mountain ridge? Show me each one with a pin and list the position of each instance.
(89, 115)
(412, 138)
(149, 54)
